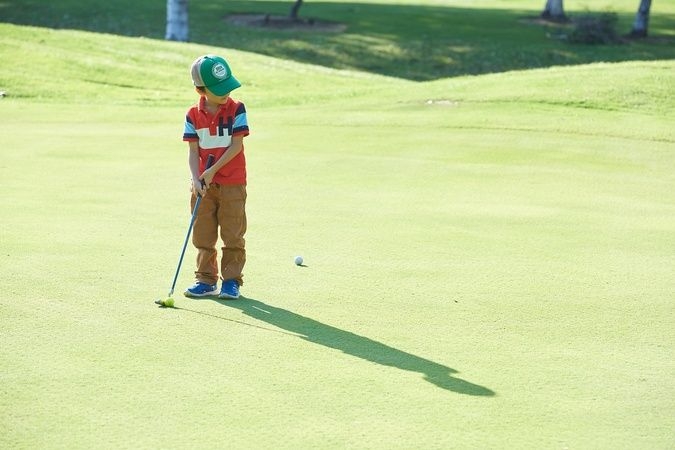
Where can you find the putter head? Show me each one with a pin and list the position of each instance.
(166, 302)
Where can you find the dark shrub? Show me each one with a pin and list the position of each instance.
(595, 29)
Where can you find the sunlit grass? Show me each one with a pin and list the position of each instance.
(488, 257)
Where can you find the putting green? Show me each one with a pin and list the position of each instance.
(488, 262)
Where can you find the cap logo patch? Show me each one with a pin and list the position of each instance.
(219, 71)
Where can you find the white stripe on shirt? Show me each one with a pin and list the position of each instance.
(207, 141)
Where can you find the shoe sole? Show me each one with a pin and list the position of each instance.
(231, 297)
(205, 294)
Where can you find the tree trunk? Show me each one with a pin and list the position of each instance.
(295, 9)
(177, 20)
(641, 23)
(554, 11)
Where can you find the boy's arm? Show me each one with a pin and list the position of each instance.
(193, 161)
(233, 150)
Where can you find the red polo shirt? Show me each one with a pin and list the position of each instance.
(214, 133)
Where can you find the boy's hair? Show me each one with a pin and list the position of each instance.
(201, 89)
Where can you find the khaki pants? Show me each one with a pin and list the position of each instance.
(223, 207)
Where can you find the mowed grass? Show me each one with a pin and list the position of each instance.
(489, 259)
(411, 39)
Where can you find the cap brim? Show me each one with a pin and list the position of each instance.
(225, 86)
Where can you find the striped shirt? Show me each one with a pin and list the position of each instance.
(214, 133)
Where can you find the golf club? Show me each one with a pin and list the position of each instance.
(169, 301)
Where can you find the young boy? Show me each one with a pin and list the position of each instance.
(216, 125)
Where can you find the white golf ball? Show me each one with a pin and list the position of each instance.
(298, 260)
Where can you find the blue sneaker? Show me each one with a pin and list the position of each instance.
(229, 289)
(200, 289)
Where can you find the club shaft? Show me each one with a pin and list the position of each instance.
(187, 238)
(209, 162)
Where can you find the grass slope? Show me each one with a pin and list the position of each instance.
(417, 40)
(489, 258)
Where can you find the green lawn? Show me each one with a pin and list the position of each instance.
(416, 40)
(489, 258)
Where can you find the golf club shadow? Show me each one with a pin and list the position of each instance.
(355, 345)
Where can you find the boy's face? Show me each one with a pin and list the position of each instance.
(213, 98)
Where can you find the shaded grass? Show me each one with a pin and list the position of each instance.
(402, 39)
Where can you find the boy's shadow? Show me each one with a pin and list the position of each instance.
(355, 345)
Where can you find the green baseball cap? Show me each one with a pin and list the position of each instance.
(213, 72)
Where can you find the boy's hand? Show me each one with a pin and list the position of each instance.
(198, 187)
(207, 176)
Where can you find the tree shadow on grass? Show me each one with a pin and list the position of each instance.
(411, 41)
(355, 345)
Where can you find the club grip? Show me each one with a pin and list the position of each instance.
(209, 161)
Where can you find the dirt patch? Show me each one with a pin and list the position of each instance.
(538, 20)
(271, 22)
